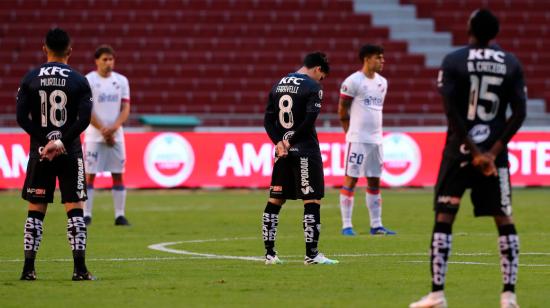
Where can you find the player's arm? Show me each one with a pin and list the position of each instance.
(344, 105)
(270, 120)
(518, 98)
(313, 107)
(84, 115)
(123, 116)
(23, 110)
(446, 83)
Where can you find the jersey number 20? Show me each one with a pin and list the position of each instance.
(480, 90)
(58, 112)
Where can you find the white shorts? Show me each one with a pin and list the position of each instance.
(364, 160)
(100, 157)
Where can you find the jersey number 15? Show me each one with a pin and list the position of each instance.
(480, 90)
(58, 112)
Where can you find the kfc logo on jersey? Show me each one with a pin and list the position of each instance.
(294, 80)
(53, 70)
(402, 159)
(169, 159)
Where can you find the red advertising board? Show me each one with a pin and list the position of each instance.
(189, 159)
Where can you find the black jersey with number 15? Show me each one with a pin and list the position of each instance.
(54, 102)
(294, 103)
(478, 84)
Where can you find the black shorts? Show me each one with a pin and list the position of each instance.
(491, 195)
(41, 179)
(298, 177)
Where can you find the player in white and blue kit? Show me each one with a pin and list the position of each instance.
(360, 110)
(104, 138)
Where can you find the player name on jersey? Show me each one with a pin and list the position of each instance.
(53, 82)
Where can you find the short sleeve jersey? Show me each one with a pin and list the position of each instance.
(367, 97)
(108, 95)
(291, 99)
(480, 83)
(52, 95)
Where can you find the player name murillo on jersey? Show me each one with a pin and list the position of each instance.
(478, 83)
(54, 104)
(293, 106)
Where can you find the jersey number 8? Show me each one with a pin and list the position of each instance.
(58, 112)
(285, 112)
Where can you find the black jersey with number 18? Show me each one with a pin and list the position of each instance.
(54, 102)
(478, 84)
(294, 103)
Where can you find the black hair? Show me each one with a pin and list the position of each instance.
(369, 50)
(318, 58)
(58, 41)
(104, 49)
(483, 25)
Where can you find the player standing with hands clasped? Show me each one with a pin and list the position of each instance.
(54, 104)
(104, 138)
(293, 106)
(478, 83)
(360, 110)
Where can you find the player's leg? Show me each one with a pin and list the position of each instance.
(309, 185)
(492, 197)
(72, 185)
(77, 234)
(278, 193)
(346, 205)
(93, 164)
(115, 164)
(270, 222)
(372, 165)
(353, 171)
(38, 190)
(119, 200)
(90, 180)
(451, 184)
(508, 242)
(34, 228)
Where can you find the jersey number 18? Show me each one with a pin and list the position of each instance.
(58, 112)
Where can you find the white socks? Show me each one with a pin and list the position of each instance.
(346, 206)
(374, 205)
(119, 198)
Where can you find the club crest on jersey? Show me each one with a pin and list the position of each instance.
(479, 133)
(320, 94)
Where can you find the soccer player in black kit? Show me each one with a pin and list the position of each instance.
(293, 106)
(54, 104)
(478, 83)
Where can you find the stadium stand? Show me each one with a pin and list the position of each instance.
(217, 59)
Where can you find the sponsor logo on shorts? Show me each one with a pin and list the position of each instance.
(304, 176)
(169, 159)
(37, 192)
(505, 202)
(276, 188)
(402, 159)
(80, 175)
(479, 133)
(81, 194)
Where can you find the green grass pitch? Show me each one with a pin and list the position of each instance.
(374, 271)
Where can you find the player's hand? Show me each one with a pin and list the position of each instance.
(109, 140)
(485, 163)
(53, 149)
(281, 150)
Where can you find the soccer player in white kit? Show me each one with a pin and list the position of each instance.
(360, 110)
(104, 138)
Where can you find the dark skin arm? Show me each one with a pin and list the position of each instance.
(344, 105)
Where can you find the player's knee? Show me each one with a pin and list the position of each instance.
(503, 220)
(278, 202)
(445, 217)
(350, 182)
(312, 201)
